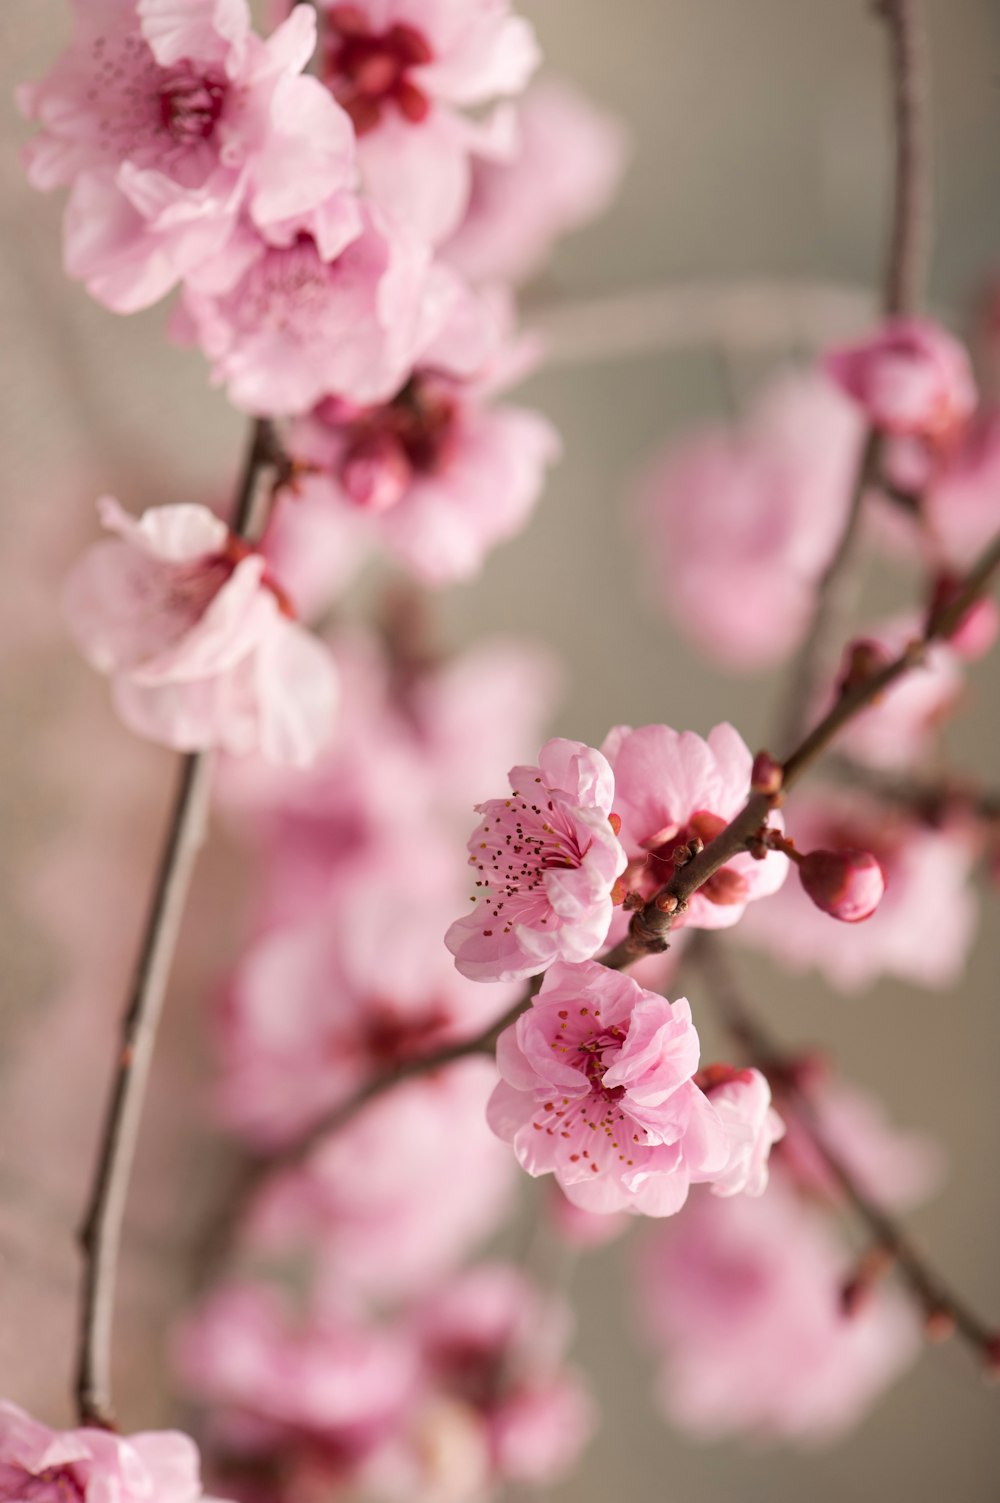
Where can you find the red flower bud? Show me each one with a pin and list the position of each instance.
(846, 884)
(862, 660)
(767, 775)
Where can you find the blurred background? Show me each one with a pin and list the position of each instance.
(759, 154)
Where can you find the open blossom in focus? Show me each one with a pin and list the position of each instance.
(547, 859)
(400, 1195)
(742, 1298)
(197, 638)
(597, 1086)
(439, 474)
(911, 378)
(672, 786)
(560, 173)
(404, 70)
(170, 123)
(319, 1006)
(901, 726)
(329, 1384)
(739, 525)
(927, 870)
(39, 1465)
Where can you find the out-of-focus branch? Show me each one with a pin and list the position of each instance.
(100, 1235)
(933, 801)
(944, 1311)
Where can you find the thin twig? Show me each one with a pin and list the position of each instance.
(943, 1309)
(100, 1235)
(933, 801)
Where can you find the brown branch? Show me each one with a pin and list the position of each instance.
(100, 1235)
(934, 802)
(943, 1310)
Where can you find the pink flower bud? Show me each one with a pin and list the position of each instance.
(910, 377)
(862, 659)
(767, 774)
(375, 472)
(846, 884)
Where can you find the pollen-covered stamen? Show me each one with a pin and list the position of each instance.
(55, 1482)
(191, 104)
(522, 842)
(368, 70)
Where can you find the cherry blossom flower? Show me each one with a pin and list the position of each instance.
(743, 1299)
(598, 1087)
(343, 310)
(672, 786)
(548, 857)
(395, 1199)
(561, 172)
(910, 377)
(961, 505)
(352, 1006)
(739, 526)
(197, 638)
(403, 69)
(926, 870)
(171, 123)
(39, 1465)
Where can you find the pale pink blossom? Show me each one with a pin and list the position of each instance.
(597, 1087)
(671, 786)
(739, 524)
(561, 171)
(197, 638)
(173, 122)
(927, 870)
(961, 506)
(39, 1465)
(352, 1005)
(394, 1200)
(343, 311)
(903, 723)
(580, 1228)
(547, 858)
(742, 1099)
(910, 378)
(274, 1382)
(404, 70)
(742, 1298)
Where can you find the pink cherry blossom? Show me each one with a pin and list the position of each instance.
(597, 1086)
(910, 377)
(902, 725)
(742, 1098)
(328, 1382)
(352, 1007)
(404, 69)
(927, 870)
(197, 639)
(560, 172)
(548, 858)
(342, 310)
(738, 526)
(171, 123)
(743, 1300)
(671, 786)
(395, 1199)
(961, 506)
(39, 1465)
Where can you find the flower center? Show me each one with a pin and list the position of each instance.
(190, 104)
(368, 70)
(599, 1053)
(411, 435)
(56, 1484)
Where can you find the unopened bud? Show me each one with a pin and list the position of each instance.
(767, 774)
(862, 660)
(848, 885)
(667, 903)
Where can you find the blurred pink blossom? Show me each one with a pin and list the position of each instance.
(910, 377)
(597, 1086)
(197, 638)
(743, 1300)
(170, 123)
(961, 506)
(672, 786)
(548, 858)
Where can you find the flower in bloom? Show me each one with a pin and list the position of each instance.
(39, 1465)
(172, 123)
(742, 1298)
(927, 870)
(560, 173)
(738, 526)
(911, 378)
(198, 639)
(670, 787)
(403, 69)
(961, 505)
(547, 860)
(598, 1087)
(325, 311)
